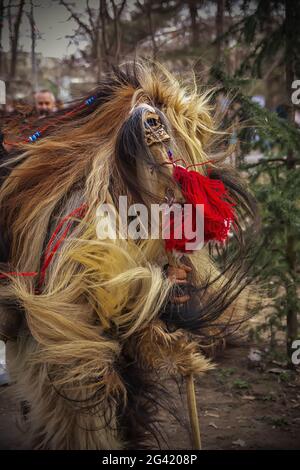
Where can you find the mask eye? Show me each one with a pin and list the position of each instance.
(155, 131)
(151, 122)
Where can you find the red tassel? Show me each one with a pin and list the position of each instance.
(218, 208)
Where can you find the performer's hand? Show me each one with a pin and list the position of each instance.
(178, 275)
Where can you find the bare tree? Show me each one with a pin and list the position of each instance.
(117, 12)
(147, 8)
(102, 27)
(6, 13)
(14, 26)
(88, 27)
(193, 9)
(34, 34)
(1, 30)
(290, 61)
(219, 28)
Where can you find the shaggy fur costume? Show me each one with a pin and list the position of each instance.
(100, 333)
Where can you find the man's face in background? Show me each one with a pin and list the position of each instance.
(44, 103)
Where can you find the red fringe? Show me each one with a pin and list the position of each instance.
(218, 208)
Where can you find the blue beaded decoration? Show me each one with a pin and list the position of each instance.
(90, 100)
(34, 136)
(37, 134)
(170, 154)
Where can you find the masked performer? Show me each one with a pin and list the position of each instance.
(92, 325)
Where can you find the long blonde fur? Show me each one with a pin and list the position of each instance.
(100, 298)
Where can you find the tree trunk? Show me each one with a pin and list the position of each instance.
(194, 25)
(1, 29)
(33, 44)
(117, 31)
(290, 60)
(151, 30)
(15, 41)
(104, 42)
(98, 44)
(219, 29)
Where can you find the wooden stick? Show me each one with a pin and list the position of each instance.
(193, 413)
(190, 387)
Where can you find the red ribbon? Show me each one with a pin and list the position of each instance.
(50, 252)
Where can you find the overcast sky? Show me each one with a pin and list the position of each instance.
(51, 21)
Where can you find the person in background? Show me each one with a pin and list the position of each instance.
(45, 103)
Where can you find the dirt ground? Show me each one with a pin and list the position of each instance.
(246, 406)
(243, 404)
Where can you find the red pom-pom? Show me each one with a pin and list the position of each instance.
(218, 208)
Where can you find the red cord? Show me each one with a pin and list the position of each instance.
(79, 210)
(49, 253)
(43, 129)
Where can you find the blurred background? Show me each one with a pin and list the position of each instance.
(54, 51)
